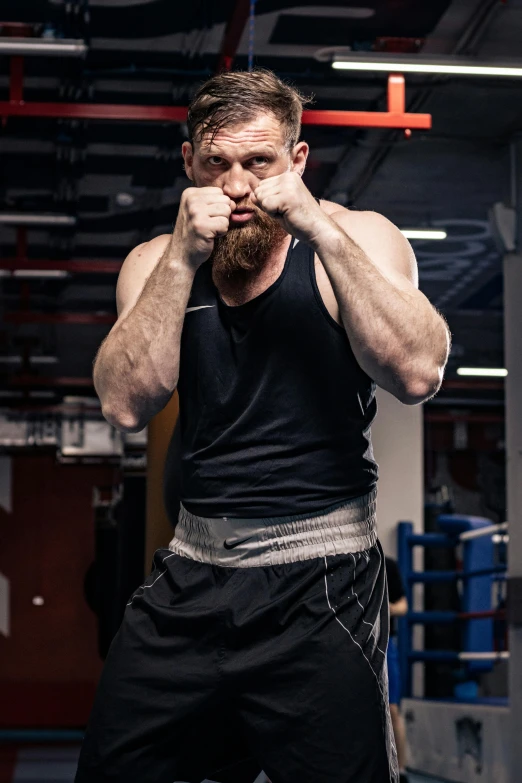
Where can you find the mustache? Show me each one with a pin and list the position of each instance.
(248, 205)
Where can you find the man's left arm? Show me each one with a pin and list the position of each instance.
(398, 338)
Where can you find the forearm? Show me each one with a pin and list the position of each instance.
(137, 367)
(397, 337)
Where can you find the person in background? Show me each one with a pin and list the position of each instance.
(398, 608)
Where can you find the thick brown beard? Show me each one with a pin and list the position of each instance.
(247, 248)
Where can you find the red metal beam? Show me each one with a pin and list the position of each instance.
(79, 266)
(232, 35)
(367, 119)
(94, 111)
(106, 111)
(35, 317)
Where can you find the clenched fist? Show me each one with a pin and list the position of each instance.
(286, 198)
(204, 215)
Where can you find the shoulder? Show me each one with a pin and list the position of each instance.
(148, 252)
(382, 241)
(136, 269)
(362, 221)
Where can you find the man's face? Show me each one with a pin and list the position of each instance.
(237, 160)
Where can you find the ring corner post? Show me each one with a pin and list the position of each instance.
(405, 558)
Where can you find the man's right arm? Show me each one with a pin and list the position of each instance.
(137, 367)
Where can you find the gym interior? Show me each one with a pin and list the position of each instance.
(416, 115)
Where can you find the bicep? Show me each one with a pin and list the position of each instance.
(135, 272)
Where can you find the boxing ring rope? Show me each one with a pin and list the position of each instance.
(480, 572)
(447, 655)
(469, 535)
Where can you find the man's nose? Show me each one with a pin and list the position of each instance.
(237, 183)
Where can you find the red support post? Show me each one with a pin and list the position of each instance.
(232, 35)
(16, 80)
(25, 295)
(21, 244)
(396, 94)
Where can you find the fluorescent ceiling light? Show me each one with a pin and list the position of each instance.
(423, 233)
(492, 372)
(418, 64)
(58, 47)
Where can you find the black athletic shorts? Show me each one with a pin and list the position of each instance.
(276, 658)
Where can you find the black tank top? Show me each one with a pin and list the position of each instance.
(275, 411)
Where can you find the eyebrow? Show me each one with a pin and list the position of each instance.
(214, 151)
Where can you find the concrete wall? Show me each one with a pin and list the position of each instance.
(398, 446)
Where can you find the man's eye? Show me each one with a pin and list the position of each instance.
(259, 160)
(215, 160)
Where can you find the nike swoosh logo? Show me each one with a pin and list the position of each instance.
(201, 307)
(236, 543)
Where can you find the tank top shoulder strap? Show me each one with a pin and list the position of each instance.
(300, 268)
(203, 293)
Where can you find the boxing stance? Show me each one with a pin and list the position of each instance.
(264, 624)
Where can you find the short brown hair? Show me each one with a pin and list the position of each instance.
(235, 97)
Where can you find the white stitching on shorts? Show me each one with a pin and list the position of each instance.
(144, 587)
(348, 632)
(362, 607)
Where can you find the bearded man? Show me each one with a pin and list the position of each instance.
(274, 315)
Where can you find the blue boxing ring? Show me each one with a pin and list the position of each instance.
(481, 572)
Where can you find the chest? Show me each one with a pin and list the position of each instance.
(239, 292)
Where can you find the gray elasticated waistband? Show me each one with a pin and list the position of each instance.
(247, 543)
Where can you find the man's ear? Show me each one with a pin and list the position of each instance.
(188, 158)
(299, 156)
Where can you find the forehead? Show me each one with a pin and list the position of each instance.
(263, 130)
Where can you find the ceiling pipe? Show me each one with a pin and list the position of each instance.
(47, 47)
(23, 219)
